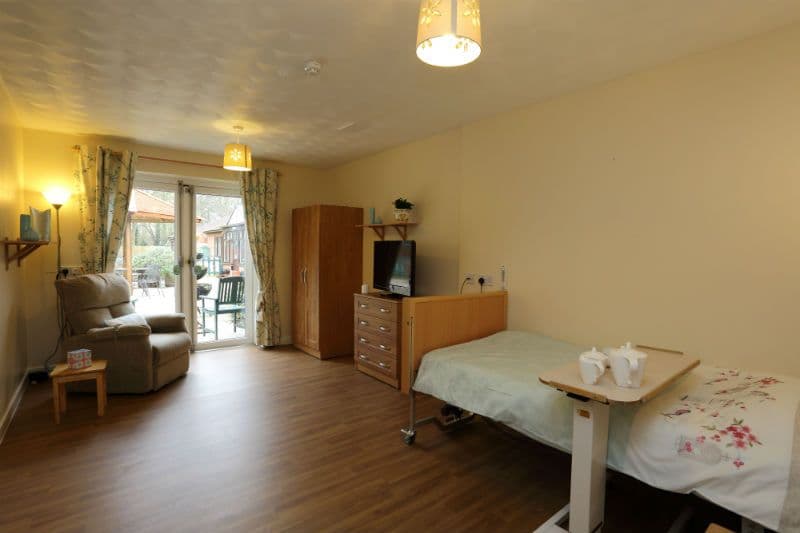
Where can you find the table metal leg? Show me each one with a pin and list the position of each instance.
(587, 492)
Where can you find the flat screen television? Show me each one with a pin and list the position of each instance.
(393, 265)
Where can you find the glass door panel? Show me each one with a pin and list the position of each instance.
(147, 255)
(220, 270)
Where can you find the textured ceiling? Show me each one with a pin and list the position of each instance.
(172, 72)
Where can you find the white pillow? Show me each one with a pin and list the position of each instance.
(132, 319)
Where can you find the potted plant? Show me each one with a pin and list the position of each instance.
(402, 210)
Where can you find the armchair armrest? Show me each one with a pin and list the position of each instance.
(167, 323)
(116, 332)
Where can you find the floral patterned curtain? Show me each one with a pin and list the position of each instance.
(104, 180)
(260, 196)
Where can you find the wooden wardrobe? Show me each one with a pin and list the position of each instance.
(326, 271)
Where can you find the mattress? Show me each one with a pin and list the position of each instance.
(724, 434)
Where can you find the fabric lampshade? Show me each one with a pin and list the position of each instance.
(237, 157)
(449, 32)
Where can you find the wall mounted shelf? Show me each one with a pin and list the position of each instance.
(23, 250)
(380, 229)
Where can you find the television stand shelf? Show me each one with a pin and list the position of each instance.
(380, 229)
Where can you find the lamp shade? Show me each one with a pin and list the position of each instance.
(237, 157)
(449, 32)
(57, 195)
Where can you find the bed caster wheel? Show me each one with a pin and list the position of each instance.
(448, 410)
(409, 439)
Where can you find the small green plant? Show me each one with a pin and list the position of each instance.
(402, 203)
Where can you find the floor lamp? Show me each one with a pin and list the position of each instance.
(57, 196)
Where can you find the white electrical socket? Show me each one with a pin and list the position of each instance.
(487, 279)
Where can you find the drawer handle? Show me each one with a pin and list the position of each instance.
(383, 347)
(363, 322)
(384, 310)
(362, 340)
(362, 306)
(383, 365)
(383, 328)
(363, 357)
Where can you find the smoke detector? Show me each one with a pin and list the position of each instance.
(312, 67)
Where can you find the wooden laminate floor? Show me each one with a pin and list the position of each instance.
(276, 440)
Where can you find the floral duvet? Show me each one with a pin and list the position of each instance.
(723, 434)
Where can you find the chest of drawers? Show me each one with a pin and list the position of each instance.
(377, 334)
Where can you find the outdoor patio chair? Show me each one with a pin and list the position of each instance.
(229, 300)
(151, 279)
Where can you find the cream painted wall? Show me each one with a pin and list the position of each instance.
(49, 159)
(426, 173)
(660, 208)
(13, 355)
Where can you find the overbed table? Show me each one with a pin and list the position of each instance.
(590, 430)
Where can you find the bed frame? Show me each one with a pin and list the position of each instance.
(433, 322)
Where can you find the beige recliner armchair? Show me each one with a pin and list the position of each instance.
(143, 353)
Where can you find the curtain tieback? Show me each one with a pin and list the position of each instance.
(260, 307)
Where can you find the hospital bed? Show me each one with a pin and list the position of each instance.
(723, 434)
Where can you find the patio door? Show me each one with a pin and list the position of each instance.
(149, 248)
(217, 284)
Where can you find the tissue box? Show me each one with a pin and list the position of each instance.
(78, 359)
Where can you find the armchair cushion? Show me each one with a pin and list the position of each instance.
(132, 319)
(89, 301)
(167, 323)
(169, 346)
(83, 320)
(117, 332)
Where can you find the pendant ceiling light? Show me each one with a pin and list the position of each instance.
(449, 32)
(237, 155)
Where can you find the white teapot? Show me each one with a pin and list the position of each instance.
(627, 365)
(592, 365)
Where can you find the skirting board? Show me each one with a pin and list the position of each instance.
(11, 410)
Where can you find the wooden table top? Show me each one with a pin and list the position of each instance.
(662, 368)
(62, 369)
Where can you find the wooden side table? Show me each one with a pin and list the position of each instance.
(62, 374)
(590, 431)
